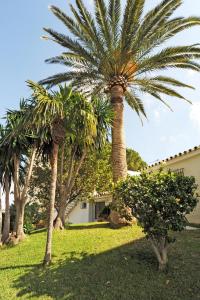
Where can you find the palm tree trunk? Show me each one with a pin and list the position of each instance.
(6, 224)
(119, 163)
(54, 162)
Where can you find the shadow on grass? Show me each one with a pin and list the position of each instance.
(88, 226)
(41, 230)
(20, 267)
(126, 272)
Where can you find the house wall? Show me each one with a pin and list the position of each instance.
(79, 215)
(191, 165)
(86, 215)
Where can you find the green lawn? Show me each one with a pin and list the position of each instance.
(96, 262)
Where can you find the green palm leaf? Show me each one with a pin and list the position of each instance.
(112, 43)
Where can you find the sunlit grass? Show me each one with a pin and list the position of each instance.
(93, 261)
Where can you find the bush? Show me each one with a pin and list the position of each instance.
(160, 202)
(28, 227)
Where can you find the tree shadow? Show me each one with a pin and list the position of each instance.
(41, 230)
(20, 267)
(126, 272)
(88, 226)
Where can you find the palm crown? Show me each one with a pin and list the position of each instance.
(111, 50)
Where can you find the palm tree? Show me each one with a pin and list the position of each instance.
(117, 52)
(53, 110)
(48, 117)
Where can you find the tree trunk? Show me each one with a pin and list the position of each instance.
(160, 250)
(54, 162)
(21, 197)
(60, 220)
(119, 163)
(20, 206)
(6, 224)
(0, 217)
(66, 190)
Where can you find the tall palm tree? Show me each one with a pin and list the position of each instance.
(117, 52)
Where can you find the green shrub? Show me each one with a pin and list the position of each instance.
(28, 227)
(160, 202)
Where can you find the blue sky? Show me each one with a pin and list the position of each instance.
(23, 54)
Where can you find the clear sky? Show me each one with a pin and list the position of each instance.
(23, 54)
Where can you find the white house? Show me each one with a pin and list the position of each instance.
(88, 211)
(188, 164)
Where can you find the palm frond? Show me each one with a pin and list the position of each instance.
(103, 22)
(87, 24)
(171, 81)
(135, 103)
(131, 21)
(70, 44)
(114, 13)
(149, 84)
(154, 19)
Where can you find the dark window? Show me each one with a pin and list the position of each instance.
(99, 206)
(178, 171)
(83, 205)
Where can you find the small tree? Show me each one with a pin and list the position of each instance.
(160, 202)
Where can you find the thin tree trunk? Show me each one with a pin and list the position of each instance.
(160, 250)
(119, 163)
(21, 200)
(6, 224)
(60, 219)
(20, 235)
(16, 189)
(59, 224)
(73, 173)
(0, 217)
(54, 162)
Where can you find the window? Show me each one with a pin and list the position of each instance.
(178, 171)
(83, 205)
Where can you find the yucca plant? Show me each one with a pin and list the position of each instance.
(117, 52)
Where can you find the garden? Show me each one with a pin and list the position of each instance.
(65, 143)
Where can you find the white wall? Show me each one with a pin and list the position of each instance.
(79, 215)
(191, 165)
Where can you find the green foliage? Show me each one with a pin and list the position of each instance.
(134, 160)
(160, 201)
(95, 174)
(113, 43)
(28, 227)
(33, 213)
(38, 190)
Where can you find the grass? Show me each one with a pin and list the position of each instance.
(94, 262)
